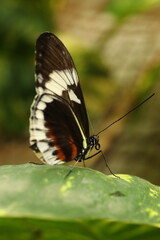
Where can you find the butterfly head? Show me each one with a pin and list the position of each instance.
(94, 142)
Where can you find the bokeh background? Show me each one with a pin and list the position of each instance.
(116, 47)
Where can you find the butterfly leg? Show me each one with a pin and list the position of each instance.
(93, 155)
(108, 165)
(104, 161)
(69, 172)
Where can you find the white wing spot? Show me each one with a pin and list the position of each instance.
(39, 90)
(53, 86)
(41, 105)
(38, 123)
(40, 135)
(47, 99)
(73, 97)
(39, 114)
(39, 78)
(43, 146)
(75, 76)
(60, 80)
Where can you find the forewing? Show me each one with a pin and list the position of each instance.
(56, 74)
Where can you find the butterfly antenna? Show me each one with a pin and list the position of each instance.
(126, 114)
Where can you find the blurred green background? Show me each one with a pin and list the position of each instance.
(116, 47)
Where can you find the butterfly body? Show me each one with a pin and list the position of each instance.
(59, 128)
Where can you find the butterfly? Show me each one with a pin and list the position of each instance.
(59, 126)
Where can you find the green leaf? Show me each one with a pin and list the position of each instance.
(38, 202)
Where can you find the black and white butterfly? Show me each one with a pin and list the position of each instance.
(59, 128)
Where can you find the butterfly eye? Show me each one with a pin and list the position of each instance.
(97, 146)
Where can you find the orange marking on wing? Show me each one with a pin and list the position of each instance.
(60, 153)
(74, 148)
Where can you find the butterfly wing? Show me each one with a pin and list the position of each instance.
(59, 126)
